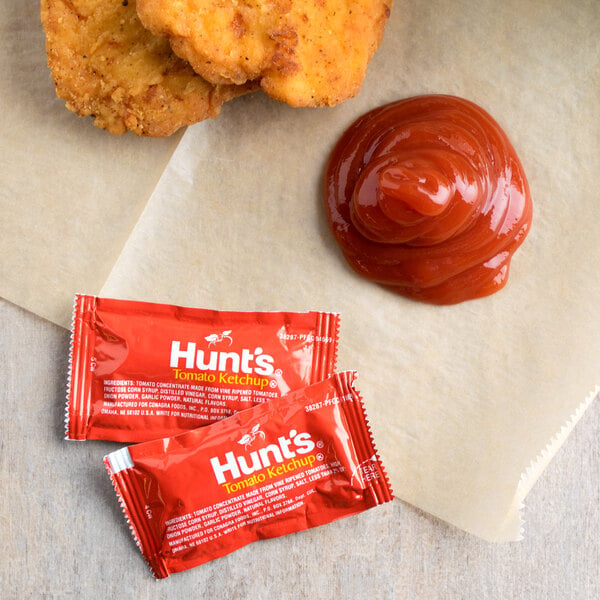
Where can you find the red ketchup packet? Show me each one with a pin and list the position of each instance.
(141, 371)
(293, 463)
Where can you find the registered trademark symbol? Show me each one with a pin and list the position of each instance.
(278, 371)
(272, 383)
(320, 444)
(320, 456)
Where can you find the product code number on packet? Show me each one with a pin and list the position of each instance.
(333, 401)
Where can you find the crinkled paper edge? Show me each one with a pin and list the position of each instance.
(537, 466)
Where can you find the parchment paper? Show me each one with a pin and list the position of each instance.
(468, 403)
(70, 193)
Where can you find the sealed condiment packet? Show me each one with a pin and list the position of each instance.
(140, 371)
(296, 462)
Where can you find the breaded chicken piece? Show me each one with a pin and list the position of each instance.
(304, 52)
(104, 63)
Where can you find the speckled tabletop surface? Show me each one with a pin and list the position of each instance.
(64, 535)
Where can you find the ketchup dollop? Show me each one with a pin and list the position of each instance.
(428, 197)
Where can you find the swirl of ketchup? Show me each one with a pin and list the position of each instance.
(427, 197)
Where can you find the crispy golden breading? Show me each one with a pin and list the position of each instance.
(304, 52)
(105, 64)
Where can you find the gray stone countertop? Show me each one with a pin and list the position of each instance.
(64, 535)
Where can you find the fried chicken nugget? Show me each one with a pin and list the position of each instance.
(104, 63)
(304, 52)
